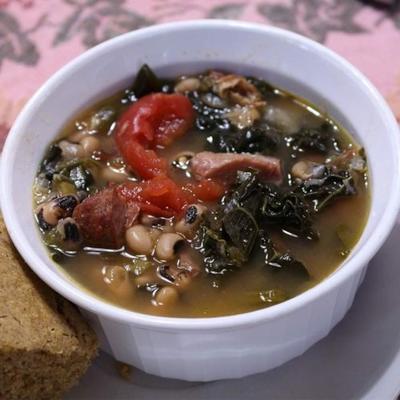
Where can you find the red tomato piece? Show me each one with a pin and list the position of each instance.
(132, 193)
(164, 193)
(160, 196)
(144, 162)
(154, 120)
(206, 190)
(151, 209)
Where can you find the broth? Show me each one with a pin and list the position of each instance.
(252, 286)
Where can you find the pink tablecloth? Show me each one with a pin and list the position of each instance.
(39, 36)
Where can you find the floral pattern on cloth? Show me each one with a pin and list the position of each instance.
(37, 37)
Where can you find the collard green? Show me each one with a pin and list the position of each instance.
(229, 234)
(321, 140)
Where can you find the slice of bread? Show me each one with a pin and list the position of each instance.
(45, 344)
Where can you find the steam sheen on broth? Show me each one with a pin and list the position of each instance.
(208, 195)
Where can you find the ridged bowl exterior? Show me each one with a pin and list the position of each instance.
(231, 353)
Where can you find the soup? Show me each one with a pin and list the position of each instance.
(201, 196)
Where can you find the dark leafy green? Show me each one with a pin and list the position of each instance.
(266, 90)
(241, 228)
(81, 177)
(146, 82)
(223, 137)
(208, 119)
(76, 172)
(246, 193)
(287, 210)
(252, 140)
(102, 120)
(229, 234)
(220, 256)
(321, 140)
(49, 163)
(60, 173)
(281, 261)
(323, 191)
(252, 207)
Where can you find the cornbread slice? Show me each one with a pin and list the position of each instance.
(45, 345)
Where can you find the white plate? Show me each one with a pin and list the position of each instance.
(360, 359)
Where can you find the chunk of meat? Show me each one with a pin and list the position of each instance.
(243, 117)
(132, 213)
(238, 90)
(104, 217)
(207, 164)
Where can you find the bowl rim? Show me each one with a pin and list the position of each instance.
(94, 304)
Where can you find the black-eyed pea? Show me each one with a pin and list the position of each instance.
(168, 245)
(183, 279)
(76, 137)
(155, 234)
(69, 233)
(71, 150)
(191, 220)
(144, 280)
(139, 240)
(166, 296)
(48, 215)
(168, 228)
(50, 212)
(114, 275)
(117, 279)
(187, 85)
(90, 144)
(304, 170)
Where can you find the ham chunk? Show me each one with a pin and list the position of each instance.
(225, 165)
(104, 217)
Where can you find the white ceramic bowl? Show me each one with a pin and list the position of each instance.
(226, 347)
